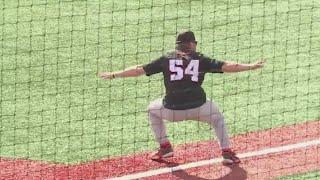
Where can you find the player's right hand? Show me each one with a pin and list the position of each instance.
(106, 75)
(259, 64)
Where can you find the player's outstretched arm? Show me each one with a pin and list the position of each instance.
(230, 67)
(129, 72)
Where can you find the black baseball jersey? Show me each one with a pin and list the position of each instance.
(183, 77)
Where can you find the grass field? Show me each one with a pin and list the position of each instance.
(55, 108)
(312, 175)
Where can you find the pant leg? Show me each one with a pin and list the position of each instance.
(157, 113)
(209, 112)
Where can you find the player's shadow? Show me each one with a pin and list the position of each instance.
(236, 173)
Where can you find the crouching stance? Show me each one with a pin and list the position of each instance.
(183, 71)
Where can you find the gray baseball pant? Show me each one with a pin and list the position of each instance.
(208, 112)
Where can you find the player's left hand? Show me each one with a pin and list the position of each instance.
(106, 75)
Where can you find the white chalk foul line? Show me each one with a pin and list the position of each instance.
(216, 160)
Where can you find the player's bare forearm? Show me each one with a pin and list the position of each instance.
(230, 67)
(129, 72)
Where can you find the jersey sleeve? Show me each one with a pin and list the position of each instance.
(153, 67)
(212, 65)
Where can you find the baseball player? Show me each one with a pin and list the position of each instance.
(183, 71)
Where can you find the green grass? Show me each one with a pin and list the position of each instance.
(54, 107)
(310, 176)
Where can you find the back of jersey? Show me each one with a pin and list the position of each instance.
(183, 76)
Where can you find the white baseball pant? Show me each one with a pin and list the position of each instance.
(208, 112)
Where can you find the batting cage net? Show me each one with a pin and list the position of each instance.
(61, 120)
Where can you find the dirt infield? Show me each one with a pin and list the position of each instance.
(266, 166)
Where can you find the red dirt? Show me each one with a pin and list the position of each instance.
(260, 167)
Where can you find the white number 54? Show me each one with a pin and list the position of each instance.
(178, 72)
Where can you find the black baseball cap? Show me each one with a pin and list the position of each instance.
(186, 37)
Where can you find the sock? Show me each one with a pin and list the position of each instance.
(226, 150)
(165, 144)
